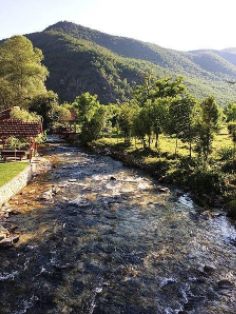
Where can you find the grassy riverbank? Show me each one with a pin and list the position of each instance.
(9, 170)
(214, 185)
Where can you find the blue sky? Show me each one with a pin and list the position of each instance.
(177, 24)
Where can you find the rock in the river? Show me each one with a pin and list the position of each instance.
(112, 178)
(80, 203)
(46, 196)
(209, 269)
(225, 284)
(72, 180)
(201, 279)
(55, 189)
(8, 242)
(163, 189)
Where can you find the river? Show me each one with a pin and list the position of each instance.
(110, 239)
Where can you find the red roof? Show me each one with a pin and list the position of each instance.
(18, 128)
(71, 118)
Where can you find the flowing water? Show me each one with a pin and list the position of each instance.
(111, 240)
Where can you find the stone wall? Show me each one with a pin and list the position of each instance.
(8, 190)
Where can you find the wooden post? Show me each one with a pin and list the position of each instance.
(30, 152)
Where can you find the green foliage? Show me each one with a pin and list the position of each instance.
(21, 71)
(230, 112)
(46, 106)
(41, 138)
(24, 115)
(232, 132)
(232, 209)
(208, 126)
(226, 153)
(86, 105)
(208, 182)
(92, 128)
(183, 116)
(126, 120)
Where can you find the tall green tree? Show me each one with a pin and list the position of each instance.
(230, 112)
(159, 113)
(183, 115)
(208, 126)
(21, 69)
(91, 129)
(46, 105)
(232, 132)
(86, 105)
(126, 119)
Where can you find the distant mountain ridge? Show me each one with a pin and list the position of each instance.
(81, 59)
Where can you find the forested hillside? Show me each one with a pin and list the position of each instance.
(80, 59)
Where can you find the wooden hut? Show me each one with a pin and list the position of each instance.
(20, 129)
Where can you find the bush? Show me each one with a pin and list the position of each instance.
(229, 166)
(206, 182)
(226, 153)
(232, 209)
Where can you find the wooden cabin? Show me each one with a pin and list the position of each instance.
(14, 127)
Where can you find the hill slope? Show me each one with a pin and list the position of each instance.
(81, 59)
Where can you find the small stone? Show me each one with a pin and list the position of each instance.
(224, 284)
(112, 178)
(201, 280)
(209, 269)
(163, 189)
(72, 180)
(46, 196)
(8, 242)
(55, 189)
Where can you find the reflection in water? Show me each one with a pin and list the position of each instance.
(108, 241)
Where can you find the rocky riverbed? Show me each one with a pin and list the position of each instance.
(94, 236)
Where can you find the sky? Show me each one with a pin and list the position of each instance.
(177, 24)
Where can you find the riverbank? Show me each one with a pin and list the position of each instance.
(209, 189)
(18, 174)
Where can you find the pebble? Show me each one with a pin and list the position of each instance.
(8, 242)
(225, 284)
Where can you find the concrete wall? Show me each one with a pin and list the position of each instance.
(8, 190)
(11, 188)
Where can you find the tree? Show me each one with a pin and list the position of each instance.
(91, 129)
(232, 132)
(86, 106)
(158, 88)
(183, 115)
(207, 126)
(21, 70)
(125, 121)
(230, 112)
(46, 106)
(6, 97)
(142, 126)
(159, 116)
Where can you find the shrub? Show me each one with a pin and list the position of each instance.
(226, 153)
(206, 182)
(232, 209)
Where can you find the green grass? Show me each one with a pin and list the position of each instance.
(9, 170)
(166, 144)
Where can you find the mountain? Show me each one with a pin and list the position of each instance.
(81, 59)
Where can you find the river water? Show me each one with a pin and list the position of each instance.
(112, 240)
